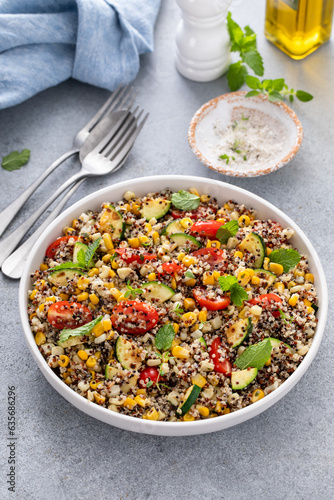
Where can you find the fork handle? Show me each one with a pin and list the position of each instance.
(10, 243)
(7, 215)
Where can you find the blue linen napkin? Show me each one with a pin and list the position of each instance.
(44, 42)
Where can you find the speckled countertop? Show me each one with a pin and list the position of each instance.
(287, 451)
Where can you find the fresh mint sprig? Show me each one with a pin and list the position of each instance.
(85, 256)
(184, 200)
(237, 293)
(132, 291)
(275, 90)
(15, 160)
(287, 257)
(164, 338)
(254, 356)
(66, 333)
(227, 231)
(68, 265)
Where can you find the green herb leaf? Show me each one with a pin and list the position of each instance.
(185, 200)
(178, 309)
(149, 383)
(253, 82)
(287, 257)
(67, 265)
(236, 75)
(303, 96)
(132, 291)
(227, 231)
(274, 96)
(66, 333)
(253, 59)
(189, 274)
(255, 356)
(81, 257)
(226, 282)
(15, 160)
(225, 157)
(252, 93)
(234, 30)
(164, 338)
(284, 317)
(90, 252)
(277, 84)
(238, 295)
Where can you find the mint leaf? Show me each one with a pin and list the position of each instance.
(277, 84)
(303, 96)
(15, 160)
(255, 356)
(67, 265)
(236, 75)
(252, 93)
(287, 257)
(185, 200)
(164, 338)
(227, 231)
(189, 274)
(90, 252)
(235, 32)
(274, 96)
(238, 295)
(81, 257)
(226, 282)
(66, 333)
(254, 61)
(253, 82)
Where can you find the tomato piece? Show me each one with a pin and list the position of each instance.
(171, 267)
(267, 301)
(150, 373)
(225, 366)
(135, 255)
(134, 317)
(215, 257)
(199, 213)
(66, 314)
(52, 249)
(212, 304)
(207, 228)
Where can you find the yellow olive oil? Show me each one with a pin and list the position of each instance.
(298, 27)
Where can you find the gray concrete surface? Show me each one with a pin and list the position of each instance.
(285, 453)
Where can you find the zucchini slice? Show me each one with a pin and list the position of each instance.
(111, 372)
(190, 398)
(172, 228)
(185, 240)
(61, 277)
(81, 246)
(157, 291)
(242, 378)
(127, 353)
(239, 331)
(267, 278)
(72, 341)
(275, 343)
(111, 221)
(155, 208)
(254, 245)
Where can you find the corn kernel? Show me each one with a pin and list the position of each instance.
(64, 296)
(216, 275)
(244, 278)
(148, 227)
(186, 222)
(133, 242)
(194, 191)
(291, 284)
(152, 277)
(82, 283)
(293, 300)
(69, 231)
(135, 209)
(91, 362)
(279, 286)
(82, 355)
(93, 272)
(309, 277)
(189, 318)
(43, 267)
(190, 282)
(255, 280)
(82, 296)
(307, 302)
(51, 299)
(202, 315)
(129, 403)
(298, 273)
(208, 279)
(92, 373)
(188, 261)
(33, 294)
(189, 303)
(156, 237)
(114, 265)
(218, 407)
(181, 256)
(180, 352)
(188, 417)
(203, 410)
(107, 241)
(268, 362)
(266, 263)
(121, 298)
(54, 289)
(257, 395)
(143, 240)
(32, 315)
(173, 283)
(238, 255)
(99, 399)
(152, 414)
(63, 360)
(176, 327)
(199, 380)
(106, 325)
(310, 310)
(226, 411)
(68, 381)
(276, 268)
(75, 223)
(94, 299)
(40, 338)
(115, 293)
(175, 342)
(244, 220)
(93, 384)
(140, 401)
(140, 391)
(98, 329)
(213, 244)
(268, 251)
(106, 257)
(41, 307)
(205, 198)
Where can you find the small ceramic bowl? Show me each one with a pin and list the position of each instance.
(278, 134)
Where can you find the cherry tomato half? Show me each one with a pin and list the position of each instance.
(225, 366)
(207, 228)
(200, 213)
(215, 257)
(150, 373)
(212, 304)
(134, 317)
(52, 249)
(135, 255)
(267, 301)
(66, 314)
(171, 267)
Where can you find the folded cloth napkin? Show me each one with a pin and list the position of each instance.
(44, 42)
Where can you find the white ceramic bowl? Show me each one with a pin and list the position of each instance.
(223, 110)
(142, 186)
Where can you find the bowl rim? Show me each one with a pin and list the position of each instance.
(203, 111)
(172, 428)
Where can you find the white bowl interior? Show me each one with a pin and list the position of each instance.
(141, 186)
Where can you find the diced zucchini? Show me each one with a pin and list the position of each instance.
(63, 276)
(202, 341)
(173, 227)
(239, 331)
(155, 208)
(127, 353)
(111, 221)
(111, 372)
(315, 307)
(72, 341)
(275, 343)
(242, 378)
(254, 244)
(265, 276)
(190, 398)
(185, 240)
(157, 291)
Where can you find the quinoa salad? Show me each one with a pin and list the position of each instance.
(172, 307)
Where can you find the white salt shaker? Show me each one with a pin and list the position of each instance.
(202, 39)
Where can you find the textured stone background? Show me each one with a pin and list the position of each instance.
(287, 452)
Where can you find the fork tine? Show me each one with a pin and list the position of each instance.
(110, 104)
(101, 145)
(128, 142)
(132, 119)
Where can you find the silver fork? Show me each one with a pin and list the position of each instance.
(106, 157)
(116, 100)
